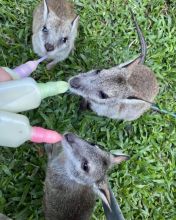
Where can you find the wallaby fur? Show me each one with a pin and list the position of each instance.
(109, 91)
(54, 30)
(76, 172)
(4, 217)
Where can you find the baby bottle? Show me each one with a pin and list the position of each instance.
(25, 94)
(15, 130)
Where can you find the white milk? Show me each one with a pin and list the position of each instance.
(14, 129)
(19, 95)
(25, 94)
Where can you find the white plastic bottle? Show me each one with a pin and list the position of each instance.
(15, 129)
(24, 94)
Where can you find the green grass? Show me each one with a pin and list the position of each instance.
(145, 186)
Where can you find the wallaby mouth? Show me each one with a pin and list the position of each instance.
(49, 47)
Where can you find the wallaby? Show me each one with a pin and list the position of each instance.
(119, 92)
(76, 173)
(54, 30)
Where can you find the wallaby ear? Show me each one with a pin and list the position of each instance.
(140, 99)
(74, 23)
(102, 190)
(118, 157)
(46, 10)
(130, 64)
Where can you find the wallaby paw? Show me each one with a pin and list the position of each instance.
(51, 65)
(84, 105)
(52, 150)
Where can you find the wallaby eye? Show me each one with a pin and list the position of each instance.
(64, 39)
(92, 144)
(132, 97)
(85, 166)
(45, 30)
(103, 95)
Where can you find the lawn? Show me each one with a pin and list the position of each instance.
(145, 186)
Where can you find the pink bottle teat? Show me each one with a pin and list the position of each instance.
(41, 135)
(27, 68)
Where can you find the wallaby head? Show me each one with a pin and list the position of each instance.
(87, 164)
(113, 86)
(54, 29)
(76, 173)
(109, 91)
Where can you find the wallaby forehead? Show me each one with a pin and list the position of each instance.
(62, 8)
(113, 76)
(58, 26)
(93, 151)
(111, 82)
(99, 156)
(100, 162)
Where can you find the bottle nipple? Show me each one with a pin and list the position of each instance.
(52, 88)
(27, 68)
(41, 135)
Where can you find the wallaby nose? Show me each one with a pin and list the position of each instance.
(75, 82)
(70, 137)
(49, 47)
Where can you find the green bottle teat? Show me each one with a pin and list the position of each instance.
(52, 88)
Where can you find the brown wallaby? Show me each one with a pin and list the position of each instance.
(54, 30)
(76, 172)
(119, 92)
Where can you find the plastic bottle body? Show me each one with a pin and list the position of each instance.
(4, 75)
(19, 95)
(14, 129)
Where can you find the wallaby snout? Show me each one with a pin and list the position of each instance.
(49, 47)
(75, 82)
(69, 137)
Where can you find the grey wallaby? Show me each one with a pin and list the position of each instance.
(121, 92)
(54, 30)
(76, 173)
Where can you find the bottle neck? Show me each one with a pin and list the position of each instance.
(52, 88)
